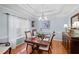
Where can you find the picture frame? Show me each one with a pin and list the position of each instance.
(33, 23)
(45, 24)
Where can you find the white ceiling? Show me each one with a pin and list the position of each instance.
(35, 10)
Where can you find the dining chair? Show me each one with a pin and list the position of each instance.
(29, 36)
(49, 46)
(47, 35)
(34, 32)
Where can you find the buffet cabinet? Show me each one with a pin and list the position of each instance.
(70, 43)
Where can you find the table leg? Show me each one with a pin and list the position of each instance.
(38, 49)
(34, 48)
(10, 50)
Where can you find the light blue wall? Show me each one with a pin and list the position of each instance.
(57, 25)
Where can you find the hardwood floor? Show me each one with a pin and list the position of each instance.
(57, 49)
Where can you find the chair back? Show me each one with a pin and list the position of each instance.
(28, 34)
(53, 34)
(49, 36)
(46, 37)
(34, 32)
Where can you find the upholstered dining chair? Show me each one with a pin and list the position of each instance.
(34, 32)
(49, 47)
(29, 36)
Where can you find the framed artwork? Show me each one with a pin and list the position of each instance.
(33, 24)
(45, 24)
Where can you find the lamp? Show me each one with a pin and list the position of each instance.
(66, 27)
(76, 25)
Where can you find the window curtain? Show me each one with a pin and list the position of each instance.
(13, 24)
(17, 27)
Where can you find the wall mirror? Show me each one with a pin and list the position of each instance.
(75, 21)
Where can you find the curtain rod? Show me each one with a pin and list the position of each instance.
(15, 16)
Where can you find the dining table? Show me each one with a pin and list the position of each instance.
(37, 41)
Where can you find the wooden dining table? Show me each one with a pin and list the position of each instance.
(36, 41)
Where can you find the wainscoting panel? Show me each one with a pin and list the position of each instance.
(20, 41)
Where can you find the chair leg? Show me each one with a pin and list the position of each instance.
(32, 49)
(27, 47)
(49, 51)
(51, 46)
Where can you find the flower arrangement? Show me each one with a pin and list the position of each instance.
(41, 35)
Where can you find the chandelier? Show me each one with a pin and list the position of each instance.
(43, 17)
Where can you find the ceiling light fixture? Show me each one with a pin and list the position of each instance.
(43, 17)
